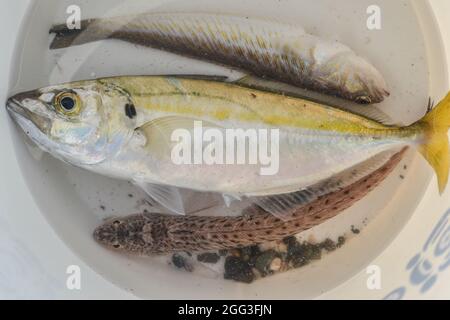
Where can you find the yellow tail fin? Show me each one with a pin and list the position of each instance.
(435, 148)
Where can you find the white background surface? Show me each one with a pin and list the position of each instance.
(33, 261)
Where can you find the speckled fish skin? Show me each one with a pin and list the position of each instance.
(149, 234)
(315, 143)
(263, 48)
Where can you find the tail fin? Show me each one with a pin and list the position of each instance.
(89, 32)
(435, 148)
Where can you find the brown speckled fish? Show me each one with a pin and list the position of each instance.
(148, 234)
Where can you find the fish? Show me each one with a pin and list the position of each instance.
(155, 234)
(129, 128)
(260, 47)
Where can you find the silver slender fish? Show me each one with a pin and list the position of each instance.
(263, 48)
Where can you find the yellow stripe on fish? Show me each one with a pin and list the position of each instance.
(226, 101)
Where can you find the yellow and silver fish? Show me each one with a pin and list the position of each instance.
(123, 127)
(263, 48)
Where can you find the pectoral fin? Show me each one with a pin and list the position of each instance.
(230, 198)
(168, 197)
(159, 133)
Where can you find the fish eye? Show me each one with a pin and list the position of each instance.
(67, 103)
(117, 246)
(363, 100)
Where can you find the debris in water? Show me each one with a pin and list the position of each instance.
(276, 265)
(301, 254)
(208, 258)
(181, 263)
(250, 263)
(249, 253)
(355, 230)
(341, 242)
(238, 270)
(264, 262)
(329, 245)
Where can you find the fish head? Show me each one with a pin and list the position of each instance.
(130, 234)
(82, 123)
(359, 81)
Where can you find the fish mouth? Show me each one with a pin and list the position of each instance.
(106, 236)
(100, 234)
(377, 97)
(380, 95)
(17, 109)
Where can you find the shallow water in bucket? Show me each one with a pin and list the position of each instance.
(406, 50)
